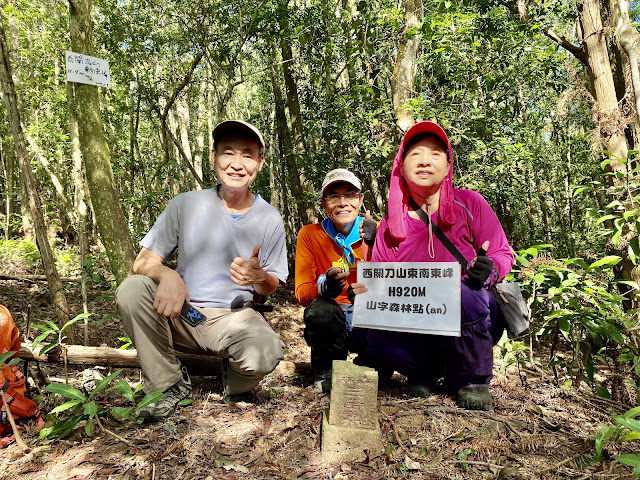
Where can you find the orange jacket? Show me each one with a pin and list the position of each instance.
(316, 253)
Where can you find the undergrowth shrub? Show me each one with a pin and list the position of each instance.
(19, 255)
(578, 312)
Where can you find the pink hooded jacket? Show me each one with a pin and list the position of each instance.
(463, 215)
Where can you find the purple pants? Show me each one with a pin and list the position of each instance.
(461, 361)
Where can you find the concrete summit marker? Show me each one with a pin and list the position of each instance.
(350, 424)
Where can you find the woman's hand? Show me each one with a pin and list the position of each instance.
(481, 266)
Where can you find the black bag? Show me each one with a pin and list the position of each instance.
(512, 308)
(513, 311)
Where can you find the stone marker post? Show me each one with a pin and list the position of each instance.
(350, 424)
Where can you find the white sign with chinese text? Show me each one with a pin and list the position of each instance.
(86, 69)
(419, 297)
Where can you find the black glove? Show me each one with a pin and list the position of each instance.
(369, 228)
(480, 270)
(350, 294)
(333, 286)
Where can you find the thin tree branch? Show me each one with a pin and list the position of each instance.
(185, 81)
(548, 32)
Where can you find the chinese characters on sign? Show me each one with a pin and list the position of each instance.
(86, 69)
(409, 297)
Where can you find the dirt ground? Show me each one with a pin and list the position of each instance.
(536, 429)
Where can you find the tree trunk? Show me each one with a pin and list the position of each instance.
(200, 130)
(286, 151)
(208, 166)
(113, 357)
(294, 112)
(29, 183)
(608, 119)
(629, 39)
(113, 227)
(61, 195)
(9, 201)
(607, 116)
(404, 72)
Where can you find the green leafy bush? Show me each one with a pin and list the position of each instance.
(79, 407)
(19, 252)
(575, 303)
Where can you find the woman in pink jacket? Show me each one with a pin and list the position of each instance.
(422, 178)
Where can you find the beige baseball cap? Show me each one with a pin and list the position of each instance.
(340, 175)
(239, 126)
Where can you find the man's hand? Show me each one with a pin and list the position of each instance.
(246, 272)
(480, 267)
(171, 294)
(335, 281)
(368, 229)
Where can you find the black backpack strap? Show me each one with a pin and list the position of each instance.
(440, 235)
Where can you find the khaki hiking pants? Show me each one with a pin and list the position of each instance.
(242, 335)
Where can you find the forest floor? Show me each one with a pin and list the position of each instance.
(536, 428)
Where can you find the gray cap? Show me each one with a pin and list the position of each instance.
(340, 175)
(240, 127)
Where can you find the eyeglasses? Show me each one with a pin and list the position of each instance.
(334, 198)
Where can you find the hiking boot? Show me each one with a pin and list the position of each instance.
(475, 398)
(384, 374)
(179, 393)
(246, 397)
(322, 381)
(232, 397)
(418, 390)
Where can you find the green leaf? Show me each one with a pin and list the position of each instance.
(629, 283)
(463, 455)
(104, 383)
(15, 361)
(89, 428)
(604, 219)
(608, 261)
(601, 391)
(634, 412)
(629, 459)
(46, 348)
(124, 388)
(75, 319)
(6, 355)
(52, 325)
(615, 239)
(630, 436)
(106, 317)
(630, 423)
(61, 429)
(150, 398)
(564, 325)
(605, 434)
(122, 411)
(66, 406)
(579, 190)
(66, 391)
(388, 451)
(90, 408)
(41, 337)
(221, 462)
